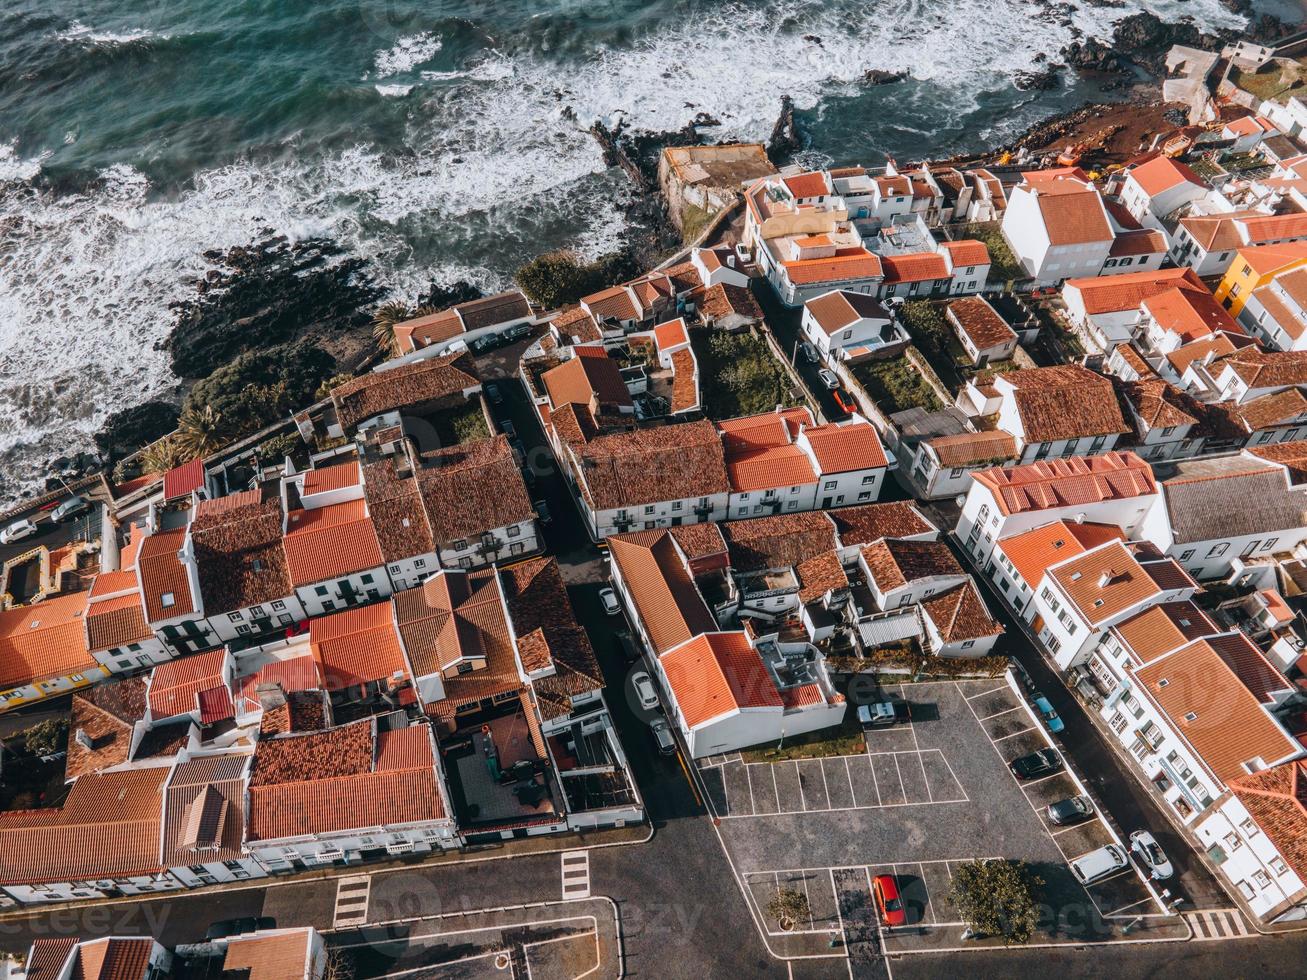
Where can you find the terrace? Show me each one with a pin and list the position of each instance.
(496, 773)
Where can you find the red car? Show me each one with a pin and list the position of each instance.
(885, 890)
(844, 401)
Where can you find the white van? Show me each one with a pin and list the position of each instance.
(1099, 864)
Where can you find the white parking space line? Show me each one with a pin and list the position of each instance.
(917, 745)
(824, 784)
(1054, 833)
(753, 805)
(929, 907)
(875, 782)
(575, 867)
(1005, 711)
(799, 776)
(775, 789)
(1117, 912)
(1004, 738)
(726, 793)
(983, 694)
(849, 776)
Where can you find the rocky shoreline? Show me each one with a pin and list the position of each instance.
(273, 292)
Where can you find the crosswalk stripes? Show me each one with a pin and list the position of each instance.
(352, 896)
(576, 874)
(1209, 926)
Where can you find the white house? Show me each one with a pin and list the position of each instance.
(473, 323)
(1059, 411)
(1276, 313)
(1254, 834)
(1158, 187)
(1115, 488)
(1057, 226)
(848, 326)
(1081, 597)
(1208, 243)
(1020, 559)
(984, 334)
(1195, 522)
(1110, 307)
(1247, 132)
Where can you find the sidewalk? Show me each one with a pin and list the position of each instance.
(943, 939)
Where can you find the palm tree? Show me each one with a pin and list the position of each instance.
(384, 319)
(161, 456)
(200, 432)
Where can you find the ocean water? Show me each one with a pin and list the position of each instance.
(430, 137)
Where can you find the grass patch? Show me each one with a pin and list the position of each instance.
(1003, 265)
(738, 375)
(845, 740)
(459, 425)
(934, 337)
(894, 385)
(1268, 82)
(694, 220)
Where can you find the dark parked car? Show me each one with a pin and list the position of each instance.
(1073, 809)
(239, 927)
(1045, 762)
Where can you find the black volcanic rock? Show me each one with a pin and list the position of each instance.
(879, 76)
(1092, 55)
(129, 429)
(785, 140)
(1038, 81)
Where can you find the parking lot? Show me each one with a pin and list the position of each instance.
(928, 794)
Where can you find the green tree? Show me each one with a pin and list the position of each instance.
(200, 431)
(558, 278)
(997, 898)
(387, 316)
(262, 387)
(788, 905)
(47, 737)
(334, 381)
(274, 450)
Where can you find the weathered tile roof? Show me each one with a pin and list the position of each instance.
(176, 687)
(421, 383)
(724, 299)
(778, 541)
(1066, 401)
(866, 523)
(451, 617)
(895, 562)
(472, 488)
(238, 549)
(204, 816)
(106, 714)
(112, 959)
(960, 614)
(972, 448)
(670, 462)
(820, 575)
(282, 956)
(398, 517)
(980, 322)
(1259, 368)
(1198, 499)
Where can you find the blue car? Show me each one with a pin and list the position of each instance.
(1050, 717)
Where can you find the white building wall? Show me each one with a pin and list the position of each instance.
(1250, 862)
(494, 545)
(332, 596)
(760, 503)
(665, 513)
(134, 656)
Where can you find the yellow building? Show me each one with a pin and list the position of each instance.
(1254, 266)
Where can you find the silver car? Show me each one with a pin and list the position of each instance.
(17, 531)
(828, 379)
(644, 690)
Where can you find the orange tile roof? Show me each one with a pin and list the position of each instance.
(1163, 628)
(973, 448)
(1141, 242)
(1265, 259)
(1277, 799)
(811, 184)
(591, 374)
(660, 587)
(845, 265)
(1032, 552)
(966, 252)
(1071, 482)
(121, 812)
(1262, 679)
(866, 523)
(472, 488)
(1191, 313)
(846, 448)
(716, 674)
(176, 686)
(107, 584)
(1219, 344)
(769, 468)
(162, 573)
(113, 959)
(1072, 213)
(1161, 173)
(1114, 294)
(1274, 227)
(1215, 232)
(1281, 315)
(44, 640)
(1213, 711)
(282, 956)
(924, 267)
(116, 622)
(330, 542)
(48, 957)
(671, 334)
(768, 429)
(1104, 582)
(615, 301)
(451, 617)
(356, 646)
(671, 462)
(327, 478)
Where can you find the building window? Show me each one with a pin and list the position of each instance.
(1248, 827)
(458, 545)
(1233, 841)
(366, 579)
(1278, 866)
(279, 605)
(1270, 543)
(864, 497)
(243, 630)
(649, 508)
(1187, 555)
(419, 563)
(168, 600)
(465, 668)
(514, 531)
(869, 478)
(676, 504)
(1218, 550)
(321, 590)
(234, 617)
(1262, 878)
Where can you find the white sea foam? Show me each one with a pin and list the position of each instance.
(494, 160)
(79, 32)
(407, 53)
(393, 91)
